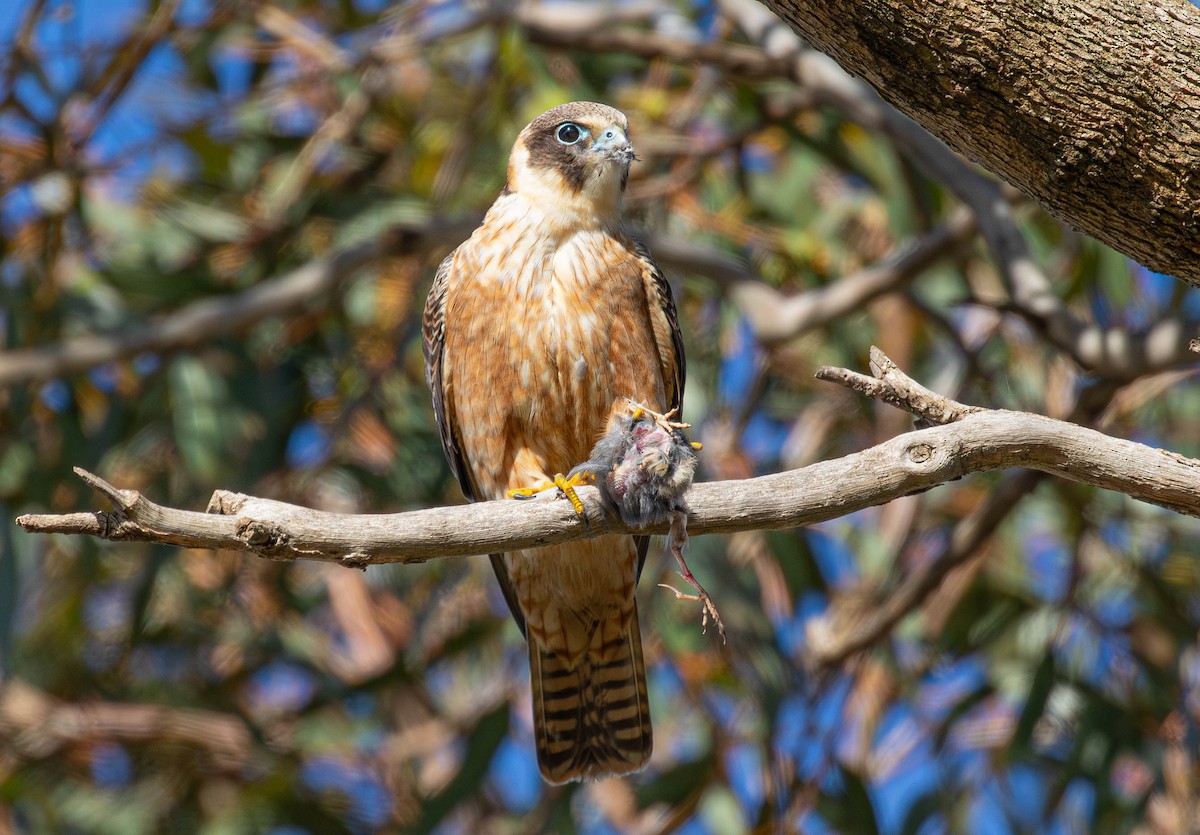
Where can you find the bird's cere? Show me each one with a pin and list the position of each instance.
(613, 144)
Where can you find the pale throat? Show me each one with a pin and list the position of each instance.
(551, 202)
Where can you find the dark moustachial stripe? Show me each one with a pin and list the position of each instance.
(547, 152)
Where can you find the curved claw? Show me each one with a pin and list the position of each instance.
(565, 484)
(663, 419)
(708, 608)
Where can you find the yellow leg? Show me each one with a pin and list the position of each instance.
(526, 492)
(566, 485)
(568, 488)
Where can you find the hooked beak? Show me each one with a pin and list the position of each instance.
(613, 144)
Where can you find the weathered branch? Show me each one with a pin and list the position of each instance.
(969, 440)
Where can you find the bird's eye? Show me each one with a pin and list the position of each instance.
(569, 133)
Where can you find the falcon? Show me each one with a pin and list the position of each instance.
(537, 332)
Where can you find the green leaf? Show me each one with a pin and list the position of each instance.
(199, 411)
(1035, 704)
(722, 812)
(16, 464)
(209, 222)
(677, 783)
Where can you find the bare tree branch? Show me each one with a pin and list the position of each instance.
(969, 440)
(776, 317)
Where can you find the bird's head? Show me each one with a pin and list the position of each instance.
(574, 158)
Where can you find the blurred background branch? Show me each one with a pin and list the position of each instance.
(217, 224)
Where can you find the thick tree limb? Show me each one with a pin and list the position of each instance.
(1113, 351)
(969, 440)
(1091, 107)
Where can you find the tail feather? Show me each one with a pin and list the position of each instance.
(591, 715)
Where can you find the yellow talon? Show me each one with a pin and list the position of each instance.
(567, 485)
(523, 492)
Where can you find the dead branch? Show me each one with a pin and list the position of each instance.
(966, 440)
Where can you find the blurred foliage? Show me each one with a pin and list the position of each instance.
(154, 155)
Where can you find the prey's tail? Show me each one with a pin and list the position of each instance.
(591, 715)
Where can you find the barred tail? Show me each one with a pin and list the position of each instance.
(592, 719)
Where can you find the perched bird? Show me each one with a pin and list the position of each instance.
(536, 331)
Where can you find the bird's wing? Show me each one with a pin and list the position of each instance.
(665, 322)
(668, 340)
(433, 338)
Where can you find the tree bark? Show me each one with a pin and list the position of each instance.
(1090, 107)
